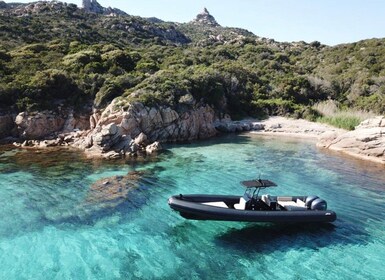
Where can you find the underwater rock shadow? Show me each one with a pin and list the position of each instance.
(126, 203)
(269, 238)
(88, 214)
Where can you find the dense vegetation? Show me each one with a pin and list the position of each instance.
(67, 57)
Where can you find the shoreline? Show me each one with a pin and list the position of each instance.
(296, 128)
(366, 142)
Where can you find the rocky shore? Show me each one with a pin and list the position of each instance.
(366, 142)
(138, 130)
(111, 133)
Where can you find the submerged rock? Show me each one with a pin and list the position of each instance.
(110, 192)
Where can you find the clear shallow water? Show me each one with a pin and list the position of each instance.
(50, 230)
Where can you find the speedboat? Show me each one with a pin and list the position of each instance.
(252, 207)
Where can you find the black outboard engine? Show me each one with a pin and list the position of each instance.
(309, 200)
(319, 204)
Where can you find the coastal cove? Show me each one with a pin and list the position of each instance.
(56, 214)
(108, 116)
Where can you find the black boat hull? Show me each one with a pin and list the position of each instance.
(193, 207)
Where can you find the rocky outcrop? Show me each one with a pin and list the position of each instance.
(167, 32)
(39, 7)
(367, 141)
(47, 124)
(204, 18)
(141, 129)
(114, 133)
(92, 6)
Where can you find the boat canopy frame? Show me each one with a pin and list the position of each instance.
(254, 186)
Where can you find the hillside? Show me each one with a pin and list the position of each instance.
(54, 53)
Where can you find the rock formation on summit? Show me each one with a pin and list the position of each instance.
(92, 6)
(205, 18)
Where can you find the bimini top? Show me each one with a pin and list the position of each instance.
(258, 183)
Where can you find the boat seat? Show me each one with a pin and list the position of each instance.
(292, 205)
(241, 205)
(301, 203)
(269, 201)
(216, 204)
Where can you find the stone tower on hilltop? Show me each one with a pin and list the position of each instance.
(205, 18)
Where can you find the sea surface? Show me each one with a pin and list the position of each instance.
(55, 225)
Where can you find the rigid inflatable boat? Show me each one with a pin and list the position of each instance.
(253, 208)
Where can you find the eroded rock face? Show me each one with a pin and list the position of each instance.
(367, 141)
(141, 129)
(115, 133)
(46, 124)
(39, 125)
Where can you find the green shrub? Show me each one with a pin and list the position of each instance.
(119, 58)
(46, 87)
(273, 107)
(344, 122)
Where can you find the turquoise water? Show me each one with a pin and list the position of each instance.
(50, 228)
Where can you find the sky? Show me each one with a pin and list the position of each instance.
(331, 22)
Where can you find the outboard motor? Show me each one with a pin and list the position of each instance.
(319, 204)
(309, 200)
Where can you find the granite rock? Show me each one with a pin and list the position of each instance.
(367, 141)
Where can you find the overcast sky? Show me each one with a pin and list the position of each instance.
(329, 21)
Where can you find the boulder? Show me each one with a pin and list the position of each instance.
(153, 148)
(141, 140)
